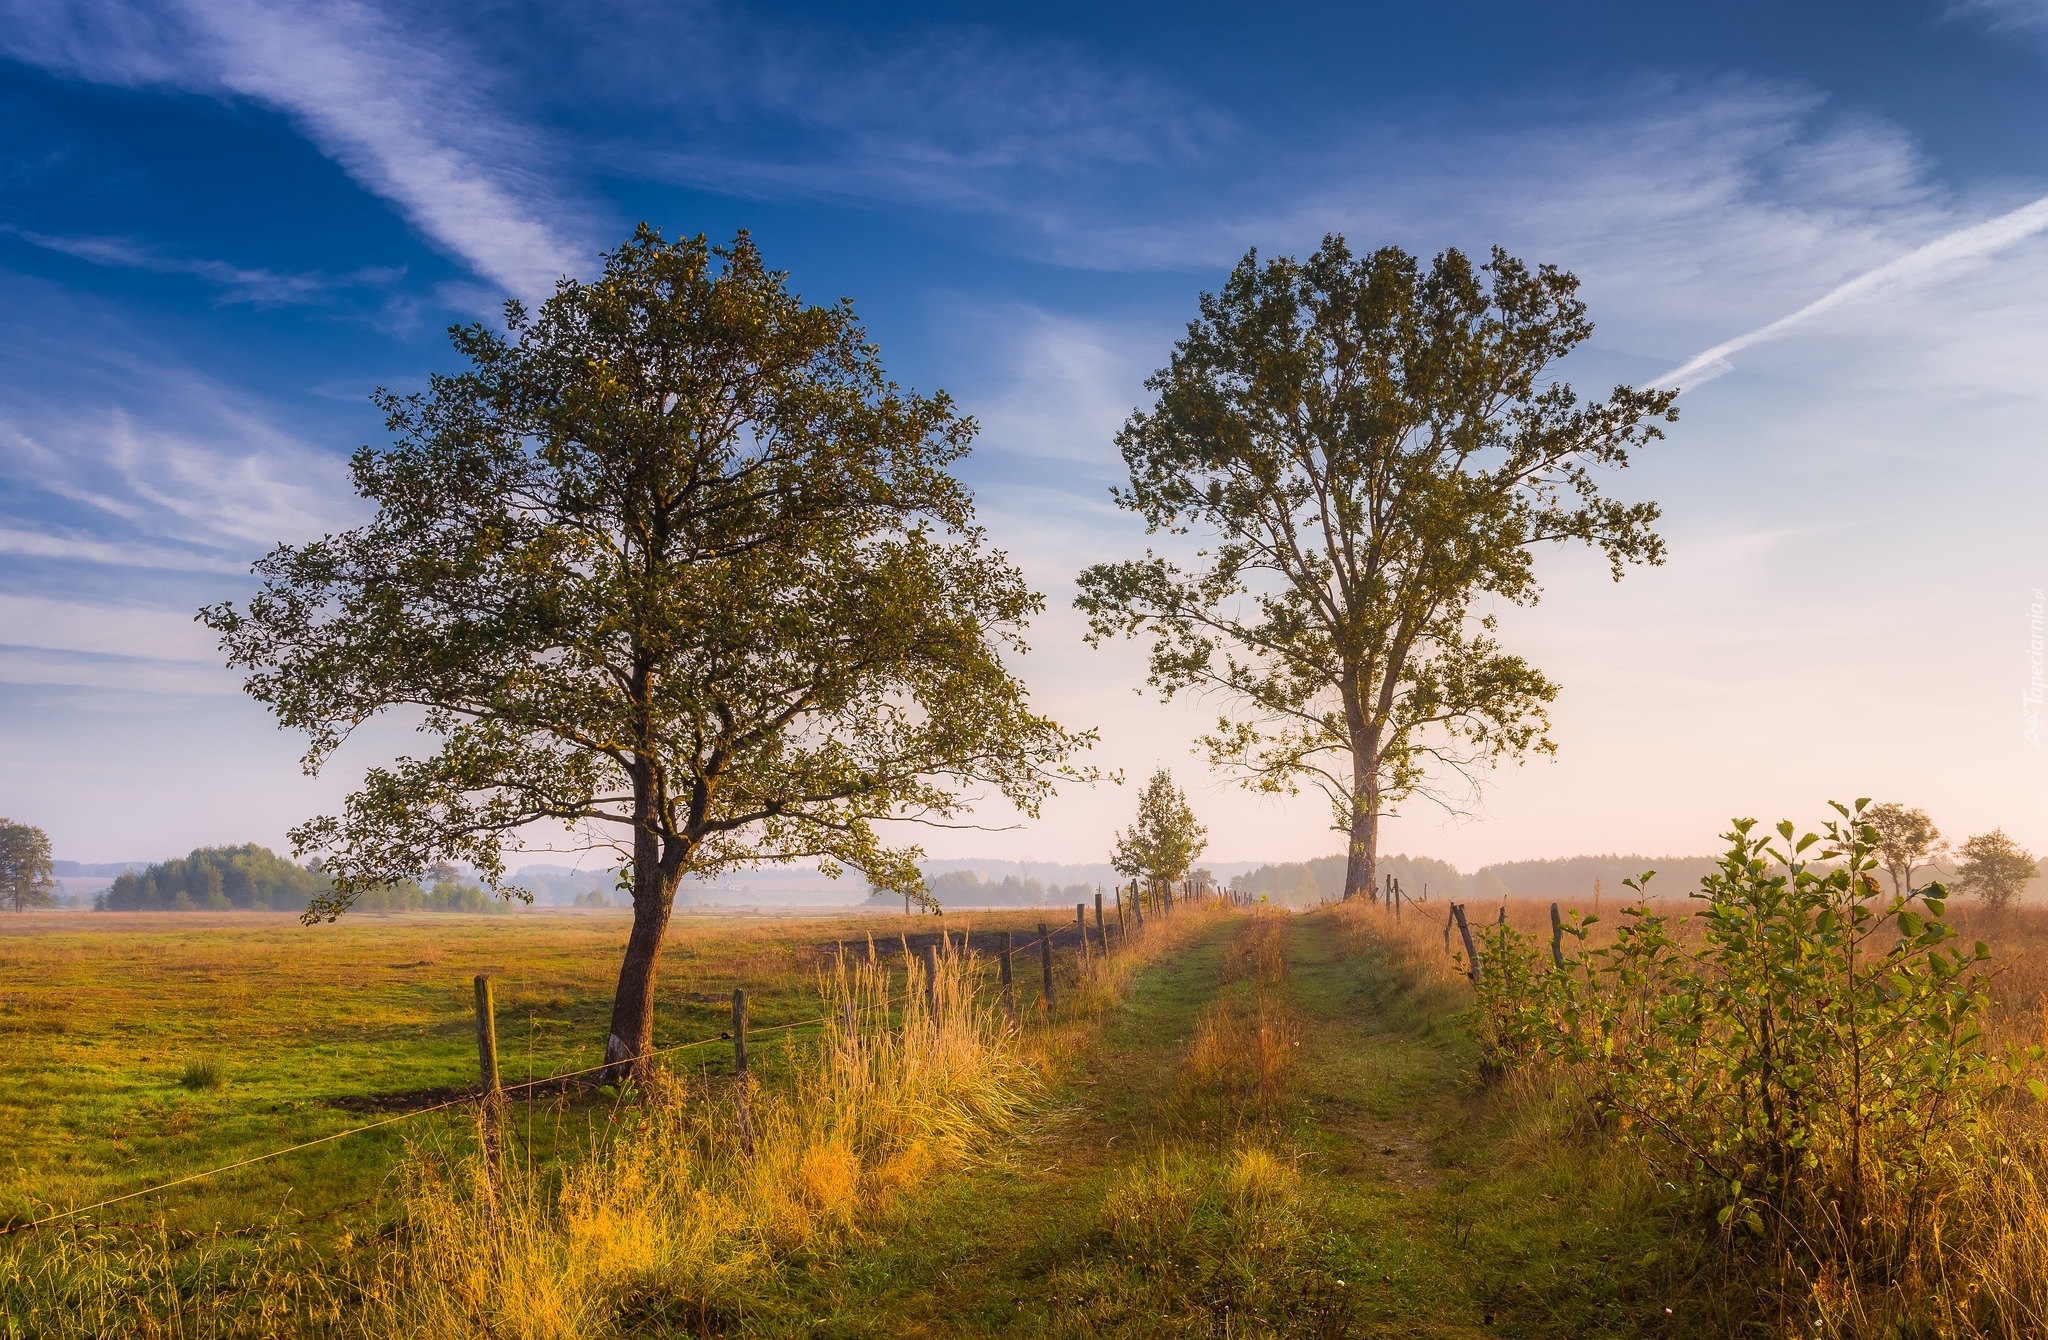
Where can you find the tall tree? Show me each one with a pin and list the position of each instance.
(671, 563)
(1995, 868)
(1372, 453)
(1162, 845)
(1905, 839)
(25, 868)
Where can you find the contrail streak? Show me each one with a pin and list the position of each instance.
(1977, 240)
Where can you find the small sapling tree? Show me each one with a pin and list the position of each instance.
(1161, 847)
(1372, 451)
(25, 867)
(1995, 868)
(671, 563)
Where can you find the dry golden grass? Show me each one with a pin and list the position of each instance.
(1246, 1043)
(674, 1222)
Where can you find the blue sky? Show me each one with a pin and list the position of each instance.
(223, 223)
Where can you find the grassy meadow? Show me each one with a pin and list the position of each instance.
(293, 1032)
(1246, 1123)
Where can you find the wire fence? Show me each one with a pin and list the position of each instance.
(76, 1211)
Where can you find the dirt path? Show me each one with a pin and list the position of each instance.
(1365, 1191)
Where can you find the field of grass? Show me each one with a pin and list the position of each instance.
(1261, 1125)
(311, 1030)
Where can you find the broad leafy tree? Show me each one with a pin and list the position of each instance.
(1906, 838)
(26, 878)
(1995, 868)
(1161, 847)
(671, 564)
(1370, 453)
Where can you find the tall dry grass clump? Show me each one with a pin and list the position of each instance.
(1246, 1042)
(669, 1220)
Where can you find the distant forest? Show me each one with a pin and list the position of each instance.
(1305, 883)
(1569, 878)
(256, 879)
(964, 888)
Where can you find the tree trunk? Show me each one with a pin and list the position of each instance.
(656, 872)
(1362, 866)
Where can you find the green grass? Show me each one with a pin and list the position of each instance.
(1385, 1192)
(1423, 1203)
(137, 1048)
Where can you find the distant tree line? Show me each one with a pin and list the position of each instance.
(1303, 883)
(256, 879)
(964, 888)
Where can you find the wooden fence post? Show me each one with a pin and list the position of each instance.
(493, 1095)
(741, 1081)
(1137, 905)
(1081, 926)
(931, 984)
(1122, 931)
(1556, 937)
(1045, 962)
(1471, 952)
(1101, 925)
(1009, 981)
(1450, 916)
(486, 1037)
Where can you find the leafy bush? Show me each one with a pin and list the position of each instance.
(1806, 1055)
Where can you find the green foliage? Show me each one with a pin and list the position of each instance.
(215, 879)
(1371, 450)
(1995, 868)
(674, 559)
(25, 868)
(671, 563)
(1808, 1050)
(1161, 846)
(1906, 837)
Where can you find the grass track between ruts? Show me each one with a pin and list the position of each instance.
(1384, 1193)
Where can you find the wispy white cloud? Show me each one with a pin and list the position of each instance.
(117, 674)
(1062, 386)
(2030, 16)
(104, 630)
(403, 116)
(250, 284)
(75, 548)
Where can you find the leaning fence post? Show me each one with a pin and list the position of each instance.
(1009, 982)
(1471, 952)
(931, 983)
(1556, 937)
(1450, 916)
(741, 1081)
(1045, 962)
(1081, 925)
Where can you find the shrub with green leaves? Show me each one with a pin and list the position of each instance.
(1807, 1056)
